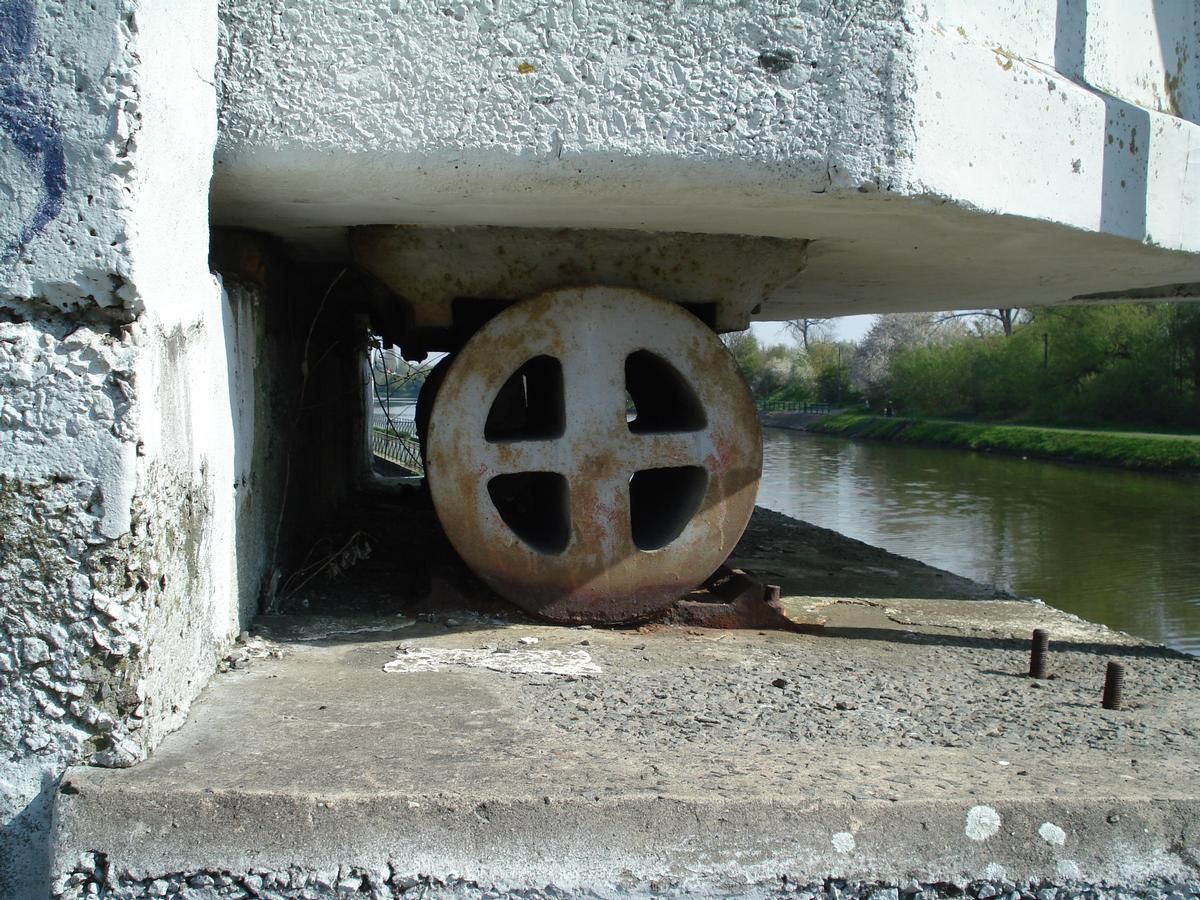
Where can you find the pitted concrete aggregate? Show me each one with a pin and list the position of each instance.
(106, 645)
(107, 520)
(901, 689)
(894, 739)
(544, 81)
(93, 879)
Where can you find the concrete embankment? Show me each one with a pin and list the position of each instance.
(1141, 451)
(895, 748)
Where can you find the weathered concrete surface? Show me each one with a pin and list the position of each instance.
(119, 580)
(903, 742)
(412, 568)
(929, 151)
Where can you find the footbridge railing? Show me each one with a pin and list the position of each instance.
(815, 409)
(397, 443)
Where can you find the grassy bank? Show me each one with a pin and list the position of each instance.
(1148, 452)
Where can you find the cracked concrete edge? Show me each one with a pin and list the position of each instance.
(1016, 617)
(578, 843)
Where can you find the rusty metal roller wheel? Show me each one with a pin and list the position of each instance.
(593, 454)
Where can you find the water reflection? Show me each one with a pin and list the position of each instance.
(1115, 547)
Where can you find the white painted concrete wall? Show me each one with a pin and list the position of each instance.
(900, 137)
(1063, 123)
(125, 429)
(363, 111)
(70, 71)
(1139, 51)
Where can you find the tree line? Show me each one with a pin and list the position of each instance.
(816, 370)
(1126, 364)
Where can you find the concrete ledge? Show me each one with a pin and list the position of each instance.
(882, 750)
(575, 843)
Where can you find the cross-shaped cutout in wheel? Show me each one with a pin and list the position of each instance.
(593, 453)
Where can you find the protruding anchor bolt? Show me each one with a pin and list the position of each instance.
(1037, 653)
(1114, 686)
(771, 594)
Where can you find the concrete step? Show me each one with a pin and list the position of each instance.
(903, 742)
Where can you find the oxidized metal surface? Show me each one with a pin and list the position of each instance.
(732, 599)
(601, 575)
(430, 267)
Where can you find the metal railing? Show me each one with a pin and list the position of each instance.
(398, 444)
(815, 409)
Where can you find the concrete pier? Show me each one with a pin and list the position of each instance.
(898, 743)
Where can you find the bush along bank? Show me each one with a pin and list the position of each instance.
(1158, 453)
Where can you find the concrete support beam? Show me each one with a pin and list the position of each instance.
(934, 155)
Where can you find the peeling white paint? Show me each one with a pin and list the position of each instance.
(982, 823)
(1052, 834)
(117, 397)
(568, 663)
(843, 842)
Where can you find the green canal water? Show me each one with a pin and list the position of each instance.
(1116, 547)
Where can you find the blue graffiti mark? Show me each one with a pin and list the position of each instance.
(32, 131)
(17, 39)
(28, 119)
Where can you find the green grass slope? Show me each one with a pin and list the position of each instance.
(1149, 452)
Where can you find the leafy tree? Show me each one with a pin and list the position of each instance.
(1135, 363)
(773, 373)
(870, 368)
(831, 362)
(1183, 329)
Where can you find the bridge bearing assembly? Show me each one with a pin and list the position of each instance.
(548, 488)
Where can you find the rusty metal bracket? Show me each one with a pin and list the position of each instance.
(731, 598)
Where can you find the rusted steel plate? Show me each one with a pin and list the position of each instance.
(595, 546)
(731, 599)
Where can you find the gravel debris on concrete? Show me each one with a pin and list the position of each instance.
(937, 718)
(873, 686)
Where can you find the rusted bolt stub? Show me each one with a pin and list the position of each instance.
(1037, 653)
(547, 489)
(1114, 686)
